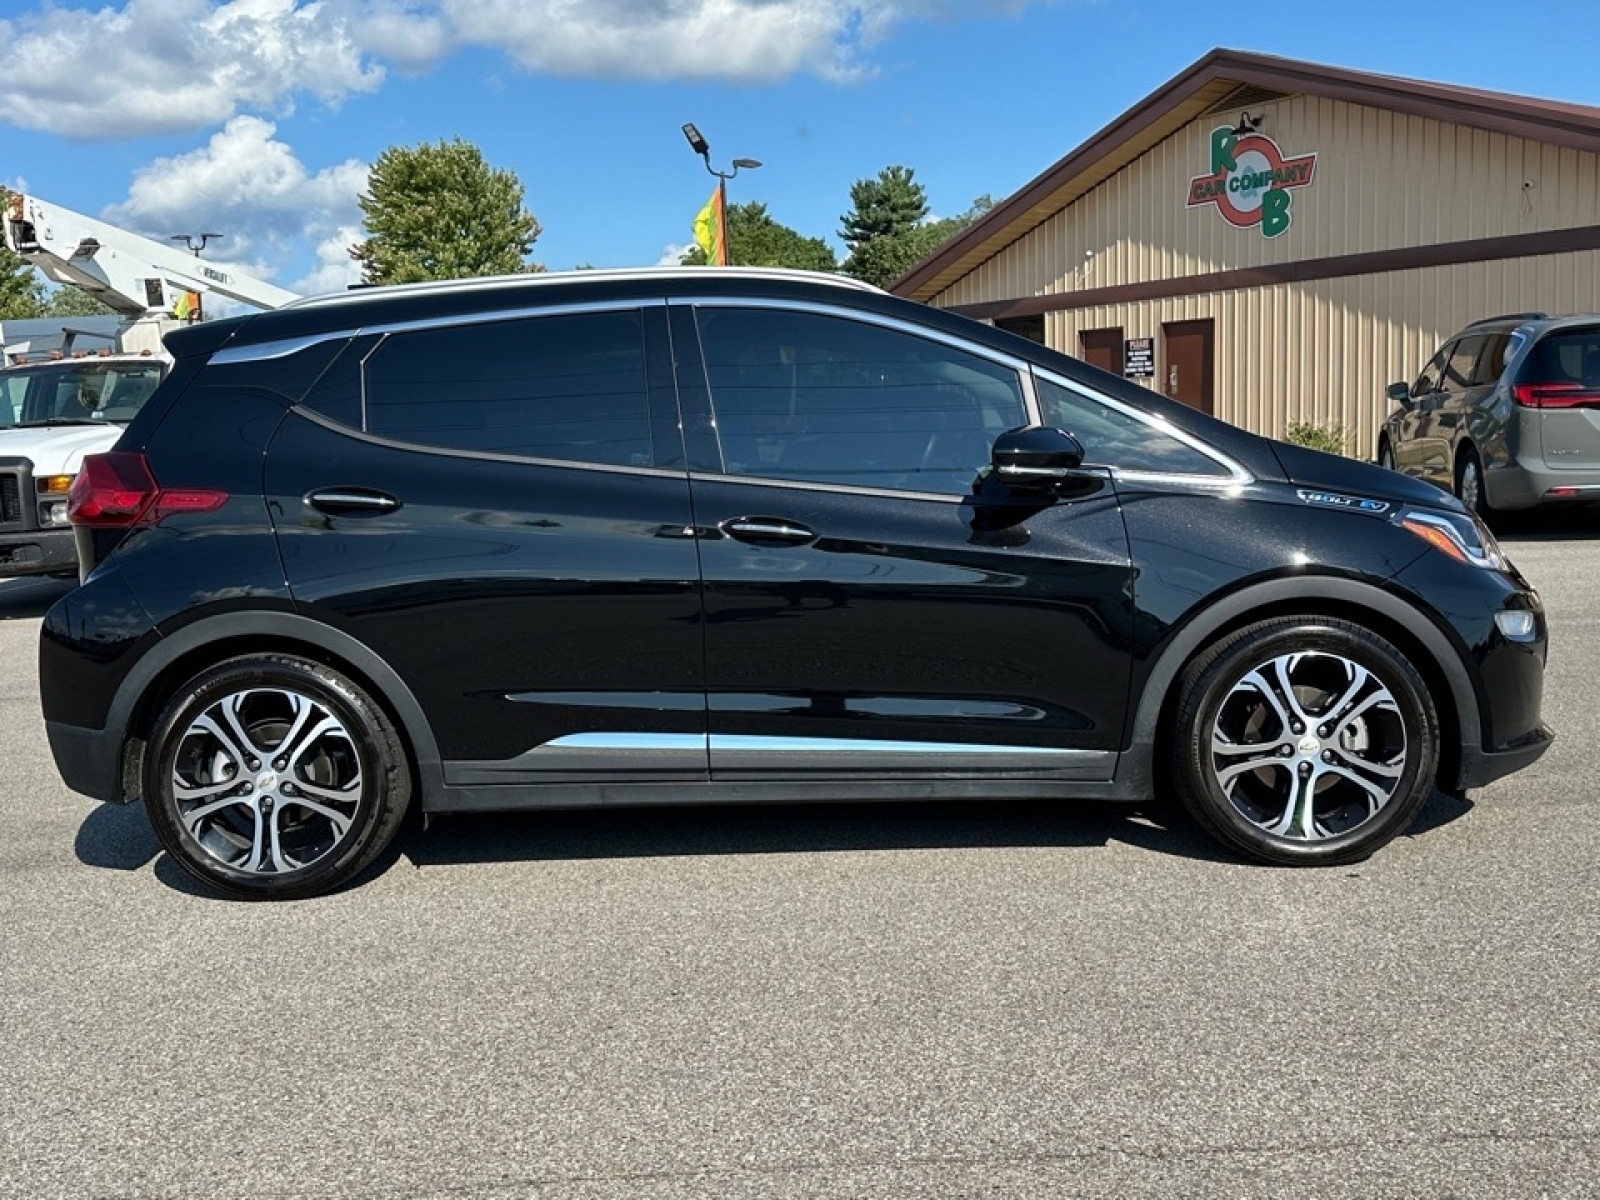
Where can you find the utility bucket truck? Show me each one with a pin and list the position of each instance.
(58, 406)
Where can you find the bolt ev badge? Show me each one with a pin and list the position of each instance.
(1334, 500)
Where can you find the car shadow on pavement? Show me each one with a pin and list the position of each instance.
(800, 829)
(1557, 525)
(119, 838)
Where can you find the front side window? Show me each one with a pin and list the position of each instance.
(828, 399)
(569, 387)
(1115, 439)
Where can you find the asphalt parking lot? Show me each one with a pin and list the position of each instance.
(890, 1001)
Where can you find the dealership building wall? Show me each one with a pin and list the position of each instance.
(1425, 207)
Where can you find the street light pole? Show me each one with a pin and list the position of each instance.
(703, 148)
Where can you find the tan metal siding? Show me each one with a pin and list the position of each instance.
(1384, 180)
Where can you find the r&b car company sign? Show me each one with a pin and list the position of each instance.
(1250, 180)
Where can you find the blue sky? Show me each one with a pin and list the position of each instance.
(260, 117)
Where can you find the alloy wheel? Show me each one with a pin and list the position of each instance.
(1308, 746)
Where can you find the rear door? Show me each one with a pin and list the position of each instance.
(500, 509)
(865, 612)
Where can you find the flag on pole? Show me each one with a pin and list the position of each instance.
(708, 231)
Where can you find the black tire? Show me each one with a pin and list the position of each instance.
(1469, 482)
(1386, 455)
(269, 777)
(1330, 792)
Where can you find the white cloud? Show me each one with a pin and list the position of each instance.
(251, 187)
(158, 66)
(672, 254)
(335, 270)
(161, 66)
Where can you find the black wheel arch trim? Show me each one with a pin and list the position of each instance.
(287, 626)
(1136, 769)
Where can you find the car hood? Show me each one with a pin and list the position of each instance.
(57, 449)
(1358, 480)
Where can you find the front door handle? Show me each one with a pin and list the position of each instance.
(768, 531)
(338, 502)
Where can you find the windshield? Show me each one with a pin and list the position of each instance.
(90, 392)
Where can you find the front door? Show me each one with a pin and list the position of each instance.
(864, 611)
(1190, 357)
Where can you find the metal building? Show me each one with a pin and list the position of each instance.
(1275, 241)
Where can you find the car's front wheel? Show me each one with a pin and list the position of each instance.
(1304, 740)
(274, 777)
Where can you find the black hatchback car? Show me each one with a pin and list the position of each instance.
(735, 536)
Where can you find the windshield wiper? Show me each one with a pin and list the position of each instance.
(45, 424)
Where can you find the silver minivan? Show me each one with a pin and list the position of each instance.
(1506, 415)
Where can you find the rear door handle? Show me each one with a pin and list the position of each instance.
(348, 501)
(770, 531)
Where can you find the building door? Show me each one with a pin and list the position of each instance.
(1190, 359)
(1102, 348)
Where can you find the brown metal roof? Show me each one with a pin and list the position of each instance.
(1212, 82)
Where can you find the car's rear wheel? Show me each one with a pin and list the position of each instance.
(1469, 482)
(273, 777)
(1304, 741)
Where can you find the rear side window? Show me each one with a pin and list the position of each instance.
(568, 387)
(1492, 361)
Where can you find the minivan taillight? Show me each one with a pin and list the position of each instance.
(116, 490)
(1566, 394)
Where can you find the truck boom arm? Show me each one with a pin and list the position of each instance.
(129, 274)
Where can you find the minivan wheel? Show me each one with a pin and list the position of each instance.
(1469, 482)
(1304, 741)
(273, 777)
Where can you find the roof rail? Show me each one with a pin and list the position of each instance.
(1522, 316)
(546, 278)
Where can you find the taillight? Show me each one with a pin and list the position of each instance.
(1566, 394)
(116, 490)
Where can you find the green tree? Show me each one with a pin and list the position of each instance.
(439, 211)
(891, 205)
(67, 301)
(21, 293)
(756, 240)
(882, 260)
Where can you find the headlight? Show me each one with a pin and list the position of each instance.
(1463, 537)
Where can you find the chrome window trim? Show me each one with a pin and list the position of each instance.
(861, 316)
(262, 351)
(811, 485)
(1237, 476)
(485, 455)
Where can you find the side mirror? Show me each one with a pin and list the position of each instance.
(1036, 457)
(1400, 393)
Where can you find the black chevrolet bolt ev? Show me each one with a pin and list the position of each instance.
(738, 536)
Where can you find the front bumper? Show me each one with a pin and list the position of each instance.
(38, 552)
(1479, 766)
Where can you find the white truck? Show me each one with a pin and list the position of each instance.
(58, 406)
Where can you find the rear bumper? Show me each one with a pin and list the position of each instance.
(38, 552)
(1529, 482)
(90, 760)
